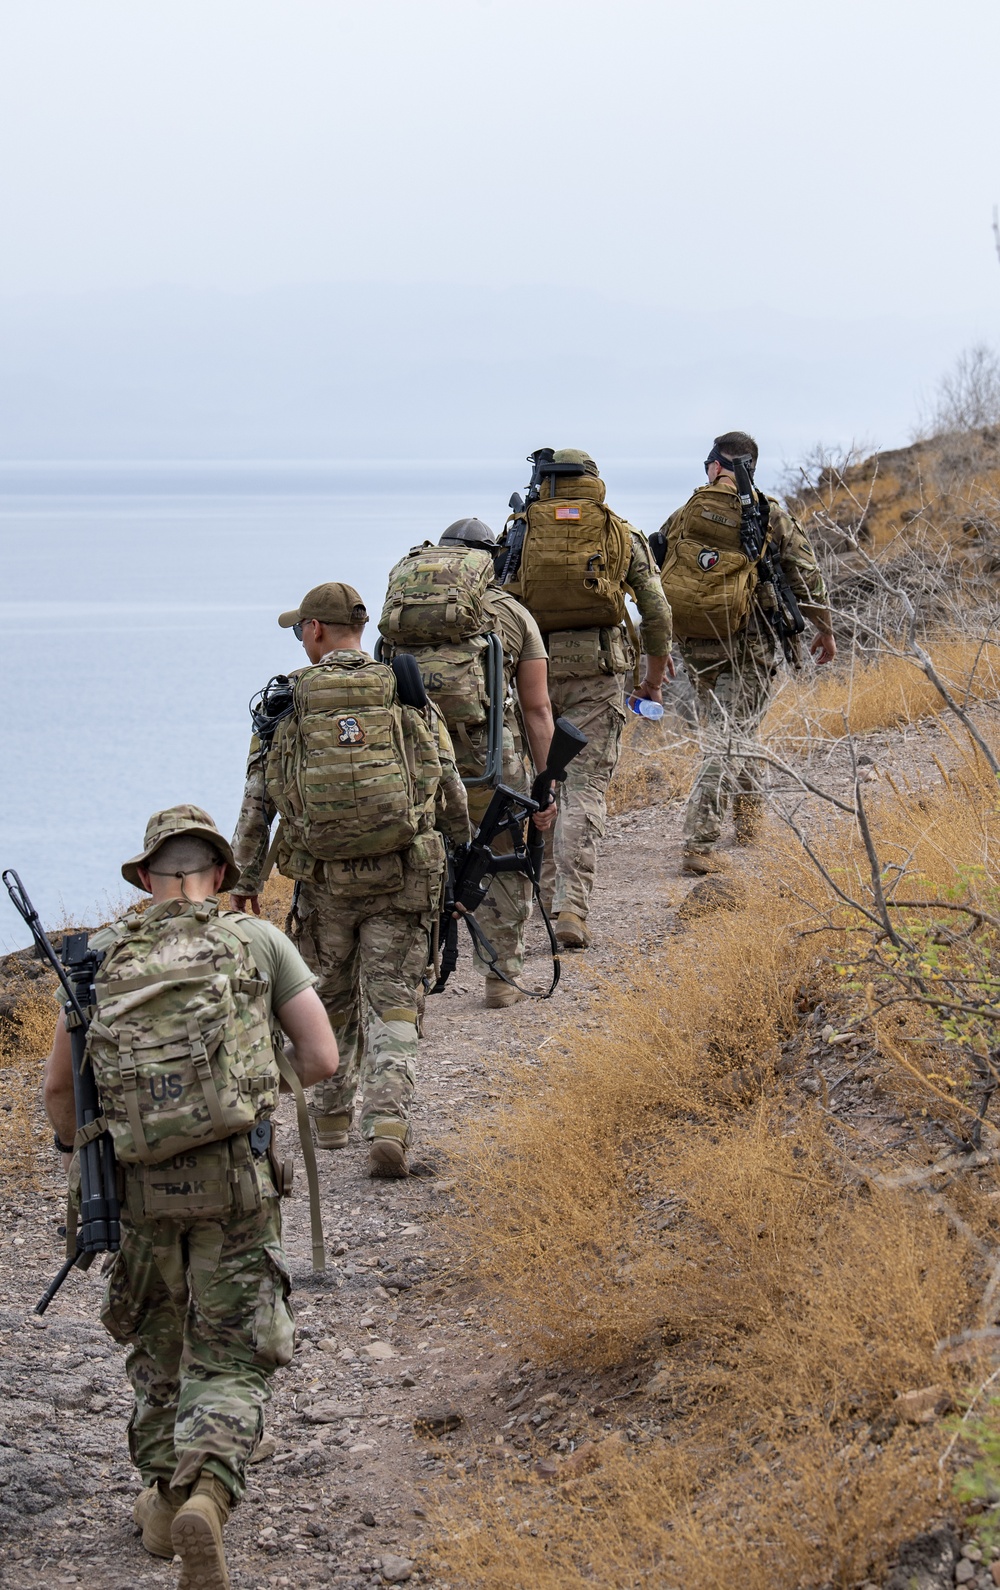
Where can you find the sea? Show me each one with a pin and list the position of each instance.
(138, 608)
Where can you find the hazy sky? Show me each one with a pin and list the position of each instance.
(835, 158)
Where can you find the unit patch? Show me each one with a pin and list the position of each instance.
(708, 557)
(565, 511)
(351, 732)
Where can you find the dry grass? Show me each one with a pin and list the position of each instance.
(655, 1193)
(28, 1016)
(656, 765)
(884, 694)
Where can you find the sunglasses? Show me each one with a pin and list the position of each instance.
(297, 628)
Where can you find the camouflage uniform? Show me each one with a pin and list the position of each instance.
(732, 683)
(507, 907)
(364, 928)
(587, 669)
(198, 1291)
(202, 1306)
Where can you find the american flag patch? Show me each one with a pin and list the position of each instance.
(563, 511)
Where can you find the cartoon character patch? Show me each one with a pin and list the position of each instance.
(708, 557)
(351, 732)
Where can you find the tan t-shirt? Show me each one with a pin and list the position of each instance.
(520, 636)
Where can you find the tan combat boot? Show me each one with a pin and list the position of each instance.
(333, 1131)
(571, 931)
(196, 1534)
(500, 994)
(154, 1512)
(387, 1151)
(699, 863)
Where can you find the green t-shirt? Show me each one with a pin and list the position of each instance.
(275, 955)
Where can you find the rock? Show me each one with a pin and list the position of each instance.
(412, 1231)
(965, 1572)
(368, 1519)
(661, 1384)
(547, 1469)
(347, 1356)
(927, 1562)
(327, 1344)
(362, 1446)
(711, 894)
(972, 1551)
(265, 1448)
(380, 1351)
(395, 1570)
(995, 1573)
(407, 1378)
(366, 1321)
(437, 1421)
(580, 1462)
(920, 1407)
(330, 1412)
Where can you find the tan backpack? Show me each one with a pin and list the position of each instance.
(181, 1043)
(575, 557)
(434, 609)
(337, 771)
(707, 577)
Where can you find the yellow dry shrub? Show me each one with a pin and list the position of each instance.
(883, 694)
(25, 1039)
(821, 1510)
(559, 1188)
(656, 765)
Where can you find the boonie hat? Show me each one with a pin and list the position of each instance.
(192, 820)
(333, 603)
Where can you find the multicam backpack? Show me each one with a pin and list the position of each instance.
(575, 557)
(708, 579)
(435, 610)
(337, 770)
(181, 1043)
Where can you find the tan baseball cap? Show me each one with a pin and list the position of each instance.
(333, 603)
(191, 820)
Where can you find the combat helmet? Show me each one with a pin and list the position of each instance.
(469, 533)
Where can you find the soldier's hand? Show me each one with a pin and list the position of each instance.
(545, 819)
(647, 691)
(823, 646)
(241, 901)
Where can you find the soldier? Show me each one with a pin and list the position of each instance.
(198, 1291)
(454, 671)
(363, 784)
(723, 615)
(577, 560)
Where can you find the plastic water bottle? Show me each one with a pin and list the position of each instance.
(645, 709)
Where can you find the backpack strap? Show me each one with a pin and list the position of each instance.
(126, 1069)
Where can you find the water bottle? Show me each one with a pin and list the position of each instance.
(645, 709)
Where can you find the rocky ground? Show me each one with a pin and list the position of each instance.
(397, 1385)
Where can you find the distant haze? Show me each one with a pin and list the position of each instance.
(381, 371)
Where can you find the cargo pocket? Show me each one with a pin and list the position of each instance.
(121, 1313)
(274, 1323)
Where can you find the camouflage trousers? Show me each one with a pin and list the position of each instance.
(202, 1306)
(370, 956)
(506, 909)
(597, 706)
(732, 686)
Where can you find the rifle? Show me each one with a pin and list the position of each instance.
(473, 867)
(544, 467)
(785, 620)
(98, 1229)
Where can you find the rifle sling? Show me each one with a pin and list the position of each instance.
(309, 1157)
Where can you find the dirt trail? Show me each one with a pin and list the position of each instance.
(388, 1337)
